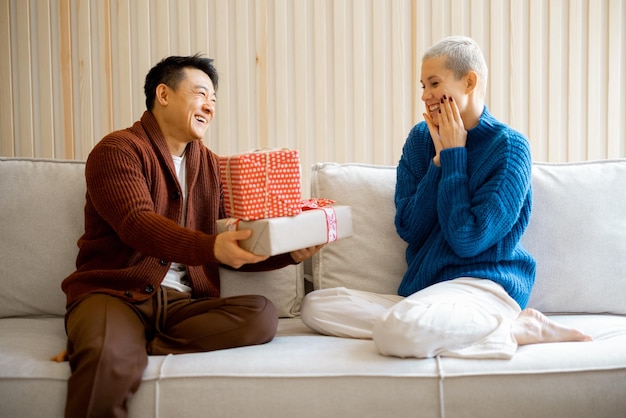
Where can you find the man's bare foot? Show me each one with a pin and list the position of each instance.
(532, 327)
(60, 357)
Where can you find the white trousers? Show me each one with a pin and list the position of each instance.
(465, 317)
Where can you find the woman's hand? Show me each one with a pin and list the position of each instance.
(450, 131)
(300, 255)
(434, 134)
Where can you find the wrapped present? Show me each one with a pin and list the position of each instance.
(273, 236)
(262, 184)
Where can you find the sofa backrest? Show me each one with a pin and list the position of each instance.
(41, 219)
(577, 234)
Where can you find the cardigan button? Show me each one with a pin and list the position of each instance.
(128, 294)
(149, 288)
(163, 262)
(176, 195)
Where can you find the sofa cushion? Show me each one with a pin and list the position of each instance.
(42, 219)
(373, 258)
(284, 287)
(577, 233)
(304, 374)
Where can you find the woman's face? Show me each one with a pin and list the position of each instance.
(438, 81)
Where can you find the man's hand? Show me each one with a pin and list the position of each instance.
(301, 255)
(227, 249)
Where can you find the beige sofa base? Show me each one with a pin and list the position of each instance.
(303, 374)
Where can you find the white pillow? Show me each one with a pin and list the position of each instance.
(284, 287)
(577, 234)
(373, 259)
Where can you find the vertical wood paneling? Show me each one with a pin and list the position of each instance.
(616, 102)
(538, 85)
(341, 92)
(101, 69)
(182, 12)
(597, 91)
(243, 30)
(67, 80)
(498, 53)
(23, 87)
(336, 79)
(224, 112)
(401, 69)
(7, 134)
(556, 89)
(121, 66)
(303, 75)
(380, 90)
(360, 79)
(43, 130)
(321, 111)
(161, 31)
(83, 78)
(142, 58)
(262, 77)
(281, 80)
(576, 93)
(518, 55)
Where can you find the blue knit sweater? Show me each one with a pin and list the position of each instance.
(466, 218)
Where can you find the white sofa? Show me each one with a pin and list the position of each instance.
(577, 234)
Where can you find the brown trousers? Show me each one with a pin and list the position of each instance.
(109, 340)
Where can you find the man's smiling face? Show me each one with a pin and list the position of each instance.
(191, 106)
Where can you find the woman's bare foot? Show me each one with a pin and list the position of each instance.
(532, 327)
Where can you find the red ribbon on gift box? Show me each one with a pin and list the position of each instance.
(308, 204)
(331, 216)
(315, 203)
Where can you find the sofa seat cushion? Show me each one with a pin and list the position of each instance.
(304, 374)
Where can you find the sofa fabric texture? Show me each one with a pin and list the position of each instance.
(577, 234)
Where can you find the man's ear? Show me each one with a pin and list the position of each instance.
(471, 81)
(162, 94)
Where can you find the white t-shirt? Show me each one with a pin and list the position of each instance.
(176, 277)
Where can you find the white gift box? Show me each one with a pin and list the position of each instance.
(271, 236)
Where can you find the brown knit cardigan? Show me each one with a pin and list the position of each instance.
(132, 215)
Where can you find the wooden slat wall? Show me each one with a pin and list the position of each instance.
(336, 79)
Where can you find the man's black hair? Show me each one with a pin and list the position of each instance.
(170, 71)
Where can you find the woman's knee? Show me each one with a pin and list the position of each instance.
(399, 334)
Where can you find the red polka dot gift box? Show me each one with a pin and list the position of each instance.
(261, 184)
